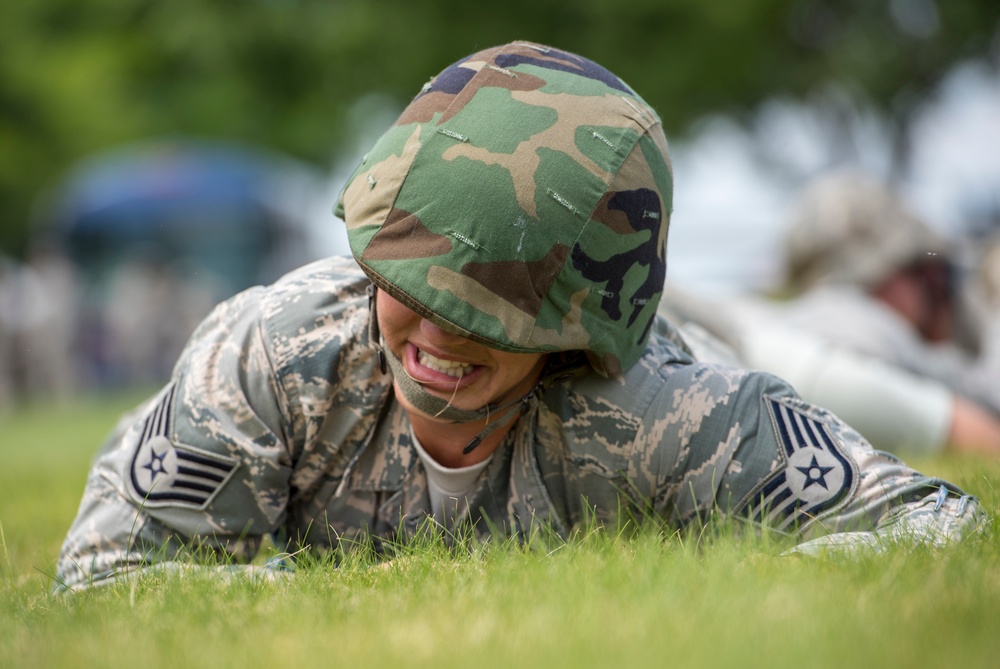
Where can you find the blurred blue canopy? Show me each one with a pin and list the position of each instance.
(213, 204)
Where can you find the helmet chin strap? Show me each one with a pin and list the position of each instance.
(432, 405)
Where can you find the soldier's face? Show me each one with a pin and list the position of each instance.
(451, 367)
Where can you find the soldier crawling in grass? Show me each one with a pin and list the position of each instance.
(490, 359)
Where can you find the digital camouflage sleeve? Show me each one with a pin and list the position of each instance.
(277, 422)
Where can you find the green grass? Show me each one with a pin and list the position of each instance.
(601, 601)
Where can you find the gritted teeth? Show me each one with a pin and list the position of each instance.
(449, 367)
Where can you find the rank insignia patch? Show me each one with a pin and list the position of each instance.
(817, 474)
(166, 473)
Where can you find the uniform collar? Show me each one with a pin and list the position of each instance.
(510, 494)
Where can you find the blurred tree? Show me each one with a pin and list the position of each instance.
(77, 76)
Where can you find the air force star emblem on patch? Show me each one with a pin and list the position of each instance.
(166, 473)
(817, 474)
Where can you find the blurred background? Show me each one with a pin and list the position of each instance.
(156, 157)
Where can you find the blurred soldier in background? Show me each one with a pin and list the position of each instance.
(152, 305)
(869, 274)
(895, 409)
(37, 324)
(876, 329)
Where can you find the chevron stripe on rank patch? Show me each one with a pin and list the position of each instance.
(167, 473)
(816, 476)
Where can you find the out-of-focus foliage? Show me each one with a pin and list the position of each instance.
(77, 76)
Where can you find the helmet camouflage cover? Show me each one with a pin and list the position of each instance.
(521, 200)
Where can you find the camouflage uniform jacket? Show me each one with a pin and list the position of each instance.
(278, 422)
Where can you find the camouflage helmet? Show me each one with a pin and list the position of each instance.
(851, 228)
(521, 200)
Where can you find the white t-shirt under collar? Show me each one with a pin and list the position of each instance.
(447, 486)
